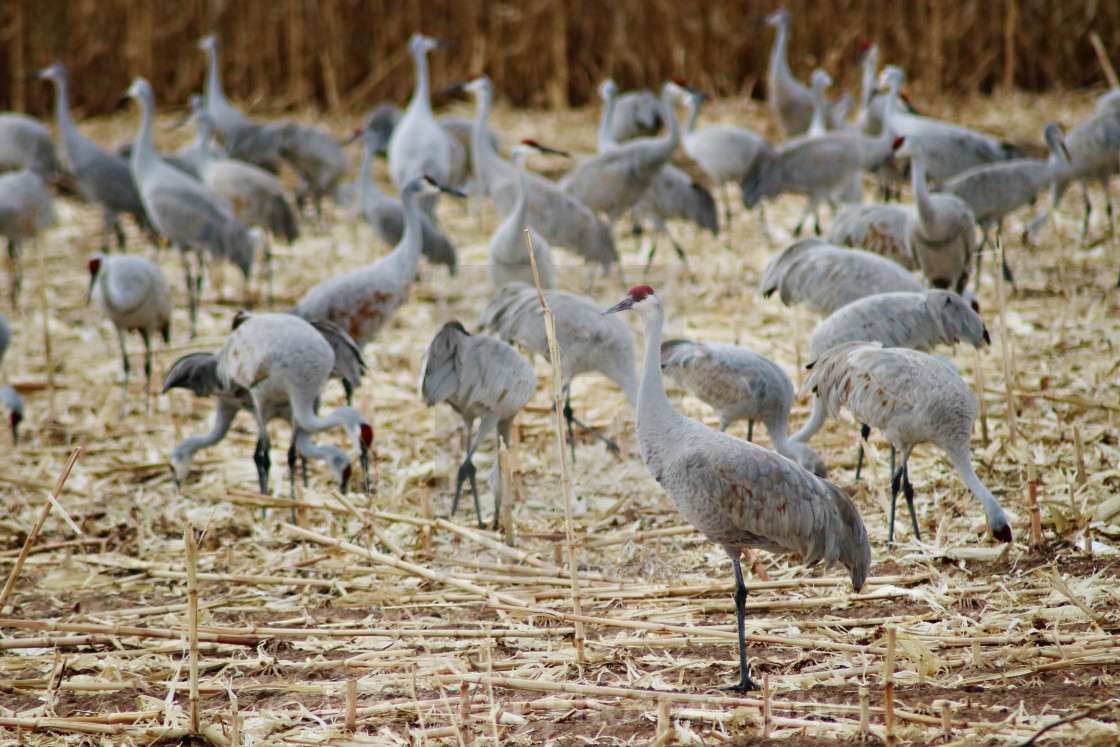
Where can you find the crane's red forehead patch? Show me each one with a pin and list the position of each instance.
(473, 77)
(367, 433)
(531, 142)
(94, 265)
(864, 44)
(680, 82)
(638, 292)
(898, 141)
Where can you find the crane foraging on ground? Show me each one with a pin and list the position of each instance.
(317, 157)
(823, 277)
(561, 219)
(482, 379)
(198, 372)
(588, 340)
(9, 397)
(26, 209)
(285, 362)
(102, 176)
(190, 215)
(737, 494)
(385, 214)
(509, 256)
(914, 398)
(25, 142)
(134, 295)
(740, 384)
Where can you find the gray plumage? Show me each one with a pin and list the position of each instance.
(790, 99)
(9, 397)
(559, 217)
(637, 114)
(823, 277)
(362, 301)
(741, 385)
(614, 181)
(26, 209)
(198, 372)
(738, 494)
(878, 228)
(950, 148)
(508, 259)
(283, 360)
(385, 214)
(103, 177)
(190, 153)
(384, 117)
(1092, 145)
(869, 118)
(482, 379)
(134, 295)
(588, 340)
(914, 399)
(189, 214)
(317, 157)
(5, 337)
(25, 142)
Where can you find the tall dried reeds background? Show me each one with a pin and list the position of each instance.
(344, 55)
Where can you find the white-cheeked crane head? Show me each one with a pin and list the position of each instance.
(641, 299)
(780, 18)
(96, 262)
(421, 44)
(208, 43)
(608, 90)
(141, 90)
(528, 145)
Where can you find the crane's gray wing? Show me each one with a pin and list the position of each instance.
(191, 218)
(440, 377)
(195, 371)
(349, 364)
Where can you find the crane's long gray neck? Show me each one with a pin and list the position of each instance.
(366, 187)
(819, 123)
(962, 461)
(407, 254)
(483, 156)
(306, 419)
(213, 89)
(144, 151)
(67, 130)
(693, 115)
(652, 399)
(669, 104)
(868, 90)
(921, 189)
(779, 67)
(521, 208)
(606, 137)
(816, 420)
(205, 139)
(421, 97)
(224, 414)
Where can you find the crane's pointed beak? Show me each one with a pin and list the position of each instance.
(364, 459)
(622, 305)
(553, 151)
(345, 483)
(1065, 151)
(354, 136)
(89, 291)
(452, 191)
(452, 89)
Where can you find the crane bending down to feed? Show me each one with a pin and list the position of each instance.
(740, 383)
(914, 398)
(588, 340)
(738, 494)
(26, 209)
(198, 372)
(480, 377)
(285, 361)
(509, 256)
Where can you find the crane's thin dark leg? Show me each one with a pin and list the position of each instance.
(864, 434)
(1088, 209)
(147, 370)
(980, 255)
(896, 482)
(745, 683)
(679, 250)
(127, 370)
(750, 430)
(120, 235)
(1108, 208)
(292, 476)
(192, 301)
(763, 224)
(571, 418)
(303, 469)
(908, 493)
(260, 457)
(15, 272)
(726, 205)
(467, 472)
(349, 393)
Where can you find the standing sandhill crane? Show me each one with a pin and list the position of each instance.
(509, 256)
(740, 384)
(994, 190)
(672, 195)
(26, 209)
(283, 360)
(815, 166)
(637, 114)
(869, 118)
(481, 378)
(25, 142)
(852, 189)
(385, 214)
(199, 373)
(823, 277)
(791, 101)
(419, 147)
(384, 117)
(317, 157)
(723, 152)
(559, 217)
(614, 181)
(190, 153)
(588, 340)
(1092, 146)
(133, 293)
(914, 399)
(191, 216)
(738, 494)
(950, 149)
(819, 82)
(102, 177)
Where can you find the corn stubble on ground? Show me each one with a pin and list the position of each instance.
(993, 643)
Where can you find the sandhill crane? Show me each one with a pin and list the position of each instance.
(198, 372)
(738, 494)
(791, 101)
(187, 213)
(384, 117)
(362, 300)
(283, 360)
(102, 177)
(385, 214)
(869, 118)
(25, 142)
(419, 147)
(588, 340)
(851, 191)
(914, 399)
(672, 195)
(190, 153)
(740, 384)
(819, 82)
(5, 336)
(26, 209)
(482, 379)
(133, 293)
(614, 181)
(317, 157)
(637, 114)
(723, 152)
(879, 228)
(950, 149)
(994, 190)
(9, 397)
(815, 166)
(919, 321)
(1092, 145)
(559, 217)
(823, 277)
(509, 256)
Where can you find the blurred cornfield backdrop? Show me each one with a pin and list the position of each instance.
(345, 55)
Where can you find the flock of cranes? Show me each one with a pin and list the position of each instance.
(223, 202)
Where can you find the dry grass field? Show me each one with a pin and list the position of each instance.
(381, 620)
